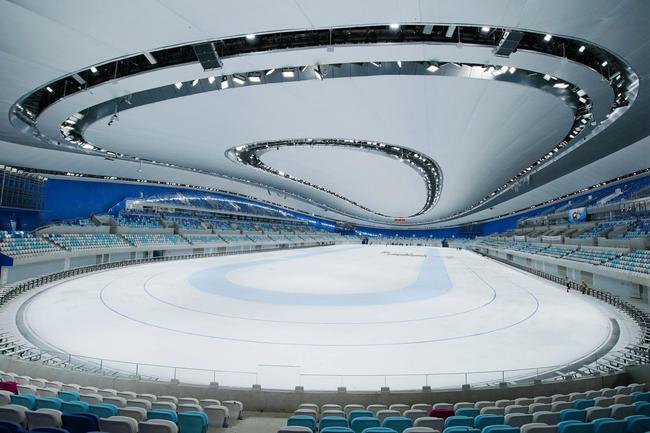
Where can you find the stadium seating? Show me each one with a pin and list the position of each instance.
(87, 241)
(154, 239)
(21, 245)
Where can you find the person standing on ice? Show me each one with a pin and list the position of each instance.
(583, 287)
(568, 284)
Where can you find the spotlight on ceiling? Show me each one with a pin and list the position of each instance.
(250, 37)
(512, 69)
(195, 82)
(581, 49)
(49, 89)
(547, 37)
(485, 29)
(288, 73)
(376, 64)
(239, 79)
(318, 72)
(270, 71)
(224, 83)
(547, 77)
(150, 58)
(604, 64)
(399, 64)
(394, 26)
(254, 78)
(560, 85)
(93, 69)
(178, 85)
(432, 67)
(211, 80)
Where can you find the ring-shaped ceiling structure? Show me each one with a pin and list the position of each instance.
(591, 113)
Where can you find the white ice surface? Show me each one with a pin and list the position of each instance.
(492, 318)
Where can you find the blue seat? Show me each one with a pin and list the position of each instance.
(468, 411)
(500, 429)
(49, 403)
(482, 421)
(49, 430)
(461, 429)
(642, 408)
(11, 426)
(358, 413)
(574, 426)
(302, 420)
(397, 423)
(337, 430)
(573, 415)
(195, 422)
(379, 430)
(638, 423)
(25, 400)
(167, 414)
(459, 421)
(103, 410)
(641, 396)
(80, 422)
(69, 395)
(75, 407)
(582, 403)
(609, 425)
(360, 423)
(332, 421)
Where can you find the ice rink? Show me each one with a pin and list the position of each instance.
(357, 316)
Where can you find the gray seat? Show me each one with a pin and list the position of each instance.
(5, 397)
(518, 419)
(107, 392)
(149, 397)
(427, 407)
(597, 413)
(543, 400)
(504, 403)
(302, 412)
(561, 405)
(188, 400)
(167, 398)
(118, 424)
(622, 389)
(14, 413)
(481, 404)
(414, 414)
(129, 395)
(620, 411)
(538, 428)
(623, 399)
(539, 407)
(401, 408)
(445, 406)
(515, 408)
(420, 430)
(113, 399)
(559, 397)
(382, 414)
(493, 410)
(330, 406)
(157, 426)
(235, 408)
(431, 422)
(191, 407)
(350, 407)
(374, 408)
(139, 402)
(163, 405)
(577, 396)
(464, 405)
(550, 418)
(603, 401)
(137, 413)
(524, 401)
(217, 415)
(43, 418)
(91, 398)
(212, 402)
(637, 387)
(590, 395)
(294, 429)
(608, 392)
(332, 413)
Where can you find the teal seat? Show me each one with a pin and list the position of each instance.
(459, 421)
(638, 424)
(358, 413)
(337, 430)
(361, 423)
(573, 415)
(195, 422)
(379, 430)
(482, 421)
(103, 410)
(70, 407)
(397, 423)
(25, 400)
(582, 403)
(49, 403)
(461, 429)
(641, 396)
(468, 411)
(642, 408)
(609, 425)
(574, 426)
(69, 395)
(500, 429)
(332, 421)
(167, 414)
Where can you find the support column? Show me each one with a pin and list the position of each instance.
(4, 274)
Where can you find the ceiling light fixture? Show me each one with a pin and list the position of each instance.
(270, 71)
(288, 73)
(224, 83)
(93, 69)
(432, 67)
(254, 78)
(49, 89)
(195, 82)
(512, 69)
(399, 64)
(250, 37)
(604, 64)
(547, 37)
(560, 85)
(547, 77)
(211, 80)
(178, 85)
(394, 26)
(485, 29)
(150, 58)
(581, 49)
(376, 64)
(238, 79)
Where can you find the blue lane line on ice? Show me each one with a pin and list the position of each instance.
(432, 281)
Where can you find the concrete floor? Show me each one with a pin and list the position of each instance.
(255, 422)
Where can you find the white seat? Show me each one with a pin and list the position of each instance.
(188, 400)
(70, 387)
(332, 413)
(516, 408)
(91, 398)
(382, 414)
(137, 413)
(88, 390)
(637, 387)
(550, 418)
(399, 407)
(561, 405)
(623, 399)
(149, 397)
(13, 412)
(212, 402)
(157, 426)
(483, 403)
(374, 408)
(47, 392)
(43, 418)
(26, 389)
(188, 407)
(350, 407)
(524, 401)
(538, 428)
(597, 413)
(559, 397)
(543, 400)
(539, 407)
(504, 403)
(235, 408)
(427, 407)
(603, 401)
(414, 414)
(325, 407)
(294, 429)
(168, 398)
(420, 430)
(431, 422)
(22, 380)
(127, 394)
(163, 405)
(590, 395)
(493, 410)
(38, 382)
(118, 424)
(139, 402)
(463, 405)
(620, 411)
(306, 412)
(446, 406)
(577, 396)
(310, 406)
(53, 384)
(608, 392)
(518, 419)
(5, 397)
(107, 393)
(117, 401)
(217, 415)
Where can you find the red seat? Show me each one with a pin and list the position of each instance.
(9, 386)
(441, 413)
